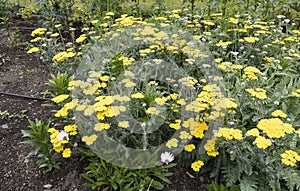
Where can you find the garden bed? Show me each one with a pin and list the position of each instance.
(24, 74)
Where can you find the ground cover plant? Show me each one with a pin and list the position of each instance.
(213, 87)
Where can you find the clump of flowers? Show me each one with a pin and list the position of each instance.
(60, 139)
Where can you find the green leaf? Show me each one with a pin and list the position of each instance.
(247, 184)
(157, 185)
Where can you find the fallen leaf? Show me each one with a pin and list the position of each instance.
(191, 176)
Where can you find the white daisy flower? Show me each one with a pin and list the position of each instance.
(166, 157)
(62, 136)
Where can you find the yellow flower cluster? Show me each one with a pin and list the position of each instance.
(123, 124)
(81, 38)
(172, 143)
(62, 56)
(60, 98)
(210, 147)
(185, 135)
(38, 31)
(189, 147)
(230, 133)
(89, 139)
(296, 93)
(262, 142)
(259, 93)
(196, 128)
(228, 66)
(59, 139)
(253, 132)
(275, 128)
(33, 50)
(175, 125)
(279, 113)
(249, 39)
(290, 158)
(197, 165)
(71, 129)
(224, 43)
(250, 73)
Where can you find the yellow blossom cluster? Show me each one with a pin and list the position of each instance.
(59, 139)
(296, 93)
(33, 50)
(172, 143)
(259, 93)
(279, 113)
(228, 66)
(290, 158)
(275, 128)
(250, 73)
(189, 147)
(197, 165)
(62, 56)
(38, 31)
(230, 133)
(89, 139)
(210, 147)
(262, 142)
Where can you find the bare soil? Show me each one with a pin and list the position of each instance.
(21, 73)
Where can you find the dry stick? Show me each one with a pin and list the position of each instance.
(24, 96)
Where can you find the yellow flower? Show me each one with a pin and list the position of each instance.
(224, 43)
(185, 135)
(290, 157)
(89, 139)
(250, 73)
(258, 93)
(60, 98)
(36, 39)
(71, 129)
(279, 113)
(210, 147)
(172, 143)
(197, 129)
(197, 165)
(38, 31)
(33, 50)
(233, 20)
(230, 133)
(298, 131)
(262, 142)
(62, 112)
(175, 125)
(101, 126)
(66, 153)
(110, 14)
(296, 93)
(275, 128)
(253, 132)
(153, 111)
(251, 39)
(137, 95)
(80, 39)
(123, 124)
(54, 35)
(57, 25)
(94, 21)
(189, 147)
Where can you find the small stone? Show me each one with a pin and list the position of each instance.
(48, 186)
(5, 126)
